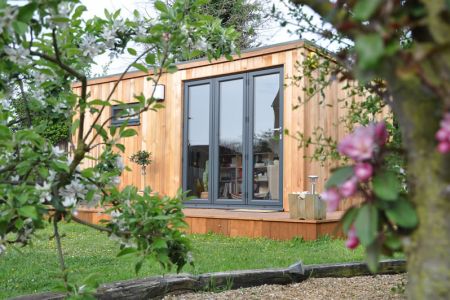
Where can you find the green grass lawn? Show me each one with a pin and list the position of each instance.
(87, 251)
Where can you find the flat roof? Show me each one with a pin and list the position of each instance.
(247, 53)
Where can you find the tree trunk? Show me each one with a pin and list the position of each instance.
(419, 112)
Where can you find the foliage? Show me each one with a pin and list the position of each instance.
(399, 49)
(143, 159)
(149, 227)
(43, 46)
(247, 17)
(35, 269)
(385, 215)
(205, 178)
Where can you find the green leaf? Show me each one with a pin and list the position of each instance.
(138, 266)
(128, 132)
(373, 256)
(121, 147)
(131, 51)
(402, 213)
(386, 186)
(28, 212)
(19, 27)
(364, 9)
(349, 218)
(126, 251)
(172, 68)
(161, 6)
(339, 176)
(150, 59)
(392, 241)
(101, 131)
(99, 102)
(370, 49)
(60, 19)
(366, 224)
(75, 126)
(159, 244)
(5, 133)
(60, 166)
(140, 67)
(79, 11)
(26, 12)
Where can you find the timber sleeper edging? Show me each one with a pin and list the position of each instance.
(159, 286)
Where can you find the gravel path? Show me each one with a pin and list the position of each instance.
(367, 287)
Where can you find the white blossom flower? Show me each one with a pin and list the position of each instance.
(201, 44)
(64, 9)
(40, 78)
(119, 26)
(57, 151)
(90, 47)
(38, 95)
(141, 31)
(115, 214)
(44, 192)
(119, 163)
(72, 192)
(5, 103)
(52, 176)
(18, 55)
(7, 15)
(15, 178)
(59, 108)
(110, 37)
(115, 180)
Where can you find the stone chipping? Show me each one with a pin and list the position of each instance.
(363, 287)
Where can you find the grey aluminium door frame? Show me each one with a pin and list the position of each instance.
(250, 103)
(216, 163)
(214, 82)
(185, 158)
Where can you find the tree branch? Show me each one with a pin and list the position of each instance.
(116, 84)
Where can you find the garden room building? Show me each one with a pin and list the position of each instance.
(220, 136)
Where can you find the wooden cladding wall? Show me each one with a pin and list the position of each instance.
(161, 132)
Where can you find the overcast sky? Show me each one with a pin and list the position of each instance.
(271, 34)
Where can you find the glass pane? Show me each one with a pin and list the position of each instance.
(198, 141)
(266, 135)
(231, 105)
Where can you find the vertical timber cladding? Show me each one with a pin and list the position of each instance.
(161, 132)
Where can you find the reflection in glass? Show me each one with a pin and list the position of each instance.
(231, 104)
(266, 133)
(198, 141)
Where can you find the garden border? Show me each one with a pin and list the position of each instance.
(159, 286)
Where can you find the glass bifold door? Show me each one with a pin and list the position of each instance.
(233, 140)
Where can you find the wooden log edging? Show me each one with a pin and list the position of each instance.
(159, 286)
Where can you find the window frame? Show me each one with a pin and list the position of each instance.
(135, 121)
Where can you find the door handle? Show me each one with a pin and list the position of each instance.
(276, 129)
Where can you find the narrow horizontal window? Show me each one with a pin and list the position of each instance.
(124, 112)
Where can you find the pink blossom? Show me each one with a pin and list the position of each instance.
(443, 135)
(445, 123)
(352, 239)
(363, 171)
(364, 141)
(381, 134)
(360, 145)
(348, 188)
(444, 147)
(332, 198)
